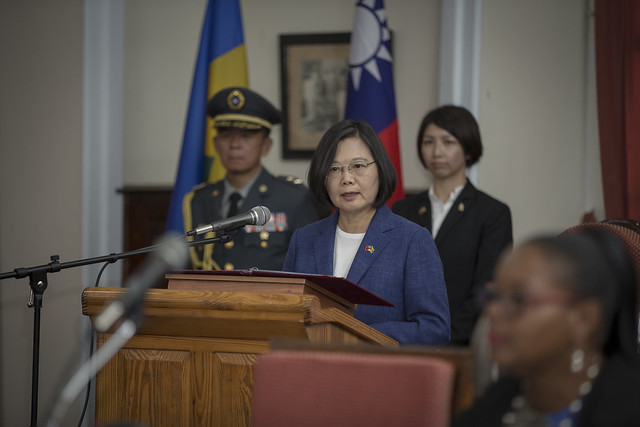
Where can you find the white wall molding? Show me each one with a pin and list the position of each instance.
(460, 37)
(102, 139)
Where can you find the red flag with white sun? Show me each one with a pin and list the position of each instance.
(370, 95)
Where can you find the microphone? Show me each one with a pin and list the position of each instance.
(258, 215)
(171, 254)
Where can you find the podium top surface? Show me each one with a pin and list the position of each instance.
(337, 285)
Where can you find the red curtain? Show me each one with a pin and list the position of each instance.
(617, 36)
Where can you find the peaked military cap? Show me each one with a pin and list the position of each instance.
(239, 107)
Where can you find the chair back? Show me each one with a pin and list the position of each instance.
(295, 388)
(629, 232)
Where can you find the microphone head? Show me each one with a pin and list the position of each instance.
(261, 215)
(173, 251)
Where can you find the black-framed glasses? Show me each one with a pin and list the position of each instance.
(513, 304)
(357, 167)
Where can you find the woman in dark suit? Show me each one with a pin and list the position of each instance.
(470, 228)
(563, 322)
(368, 244)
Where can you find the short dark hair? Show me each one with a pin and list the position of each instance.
(459, 122)
(326, 152)
(599, 267)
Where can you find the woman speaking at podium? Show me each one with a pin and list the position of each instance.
(366, 243)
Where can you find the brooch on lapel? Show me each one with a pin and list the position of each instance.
(369, 249)
(422, 210)
(461, 207)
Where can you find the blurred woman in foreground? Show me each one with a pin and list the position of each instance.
(563, 332)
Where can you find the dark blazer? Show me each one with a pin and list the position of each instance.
(613, 401)
(263, 247)
(475, 232)
(398, 261)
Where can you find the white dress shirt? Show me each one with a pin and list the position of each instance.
(344, 251)
(440, 209)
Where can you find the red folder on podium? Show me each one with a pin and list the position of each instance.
(339, 286)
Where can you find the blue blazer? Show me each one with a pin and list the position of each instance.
(401, 265)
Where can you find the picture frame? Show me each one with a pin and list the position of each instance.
(314, 74)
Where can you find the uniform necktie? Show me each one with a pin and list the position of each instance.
(233, 208)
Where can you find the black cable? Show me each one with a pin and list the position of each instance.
(86, 398)
(100, 273)
(91, 348)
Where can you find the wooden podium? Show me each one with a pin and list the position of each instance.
(190, 362)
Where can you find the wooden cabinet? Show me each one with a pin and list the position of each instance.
(145, 219)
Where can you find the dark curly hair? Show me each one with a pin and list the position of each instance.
(599, 267)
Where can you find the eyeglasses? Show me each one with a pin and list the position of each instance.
(514, 304)
(358, 168)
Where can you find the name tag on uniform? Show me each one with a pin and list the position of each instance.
(278, 222)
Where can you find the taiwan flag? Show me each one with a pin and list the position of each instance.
(370, 95)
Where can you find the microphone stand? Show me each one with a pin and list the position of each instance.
(38, 283)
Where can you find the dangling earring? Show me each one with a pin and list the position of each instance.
(577, 361)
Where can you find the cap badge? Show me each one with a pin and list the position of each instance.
(235, 100)
(369, 249)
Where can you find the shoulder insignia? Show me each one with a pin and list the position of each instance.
(292, 182)
(199, 186)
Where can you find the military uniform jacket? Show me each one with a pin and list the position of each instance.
(264, 247)
(472, 236)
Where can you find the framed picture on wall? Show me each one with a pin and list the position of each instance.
(313, 70)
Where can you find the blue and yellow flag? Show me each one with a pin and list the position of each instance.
(221, 63)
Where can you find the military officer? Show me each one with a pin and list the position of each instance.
(243, 120)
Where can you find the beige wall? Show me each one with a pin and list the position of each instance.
(532, 110)
(161, 40)
(40, 190)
